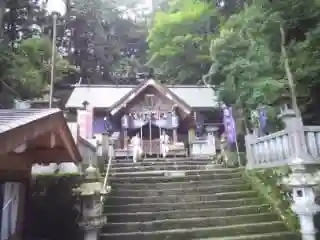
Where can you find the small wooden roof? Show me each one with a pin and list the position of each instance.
(29, 136)
(159, 87)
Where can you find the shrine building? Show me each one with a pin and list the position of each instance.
(148, 109)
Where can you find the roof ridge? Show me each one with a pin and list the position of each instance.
(132, 86)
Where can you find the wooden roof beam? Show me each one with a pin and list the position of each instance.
(162, 89)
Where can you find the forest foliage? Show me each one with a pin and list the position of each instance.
(254, 53)
(97, 42)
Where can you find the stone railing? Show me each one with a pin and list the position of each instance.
(277, 149)
(297, 146)
(312, 138)
(268, 151)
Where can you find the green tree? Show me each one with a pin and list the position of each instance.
(96, 37)
(243, 68)
(179, 41)
(26, 72)
(261, 52)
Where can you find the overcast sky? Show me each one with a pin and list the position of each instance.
(58, 5)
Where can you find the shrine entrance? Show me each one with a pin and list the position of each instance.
(150, 135)
(148, 110)
(146, 133)
(150, 127)
(149, 118)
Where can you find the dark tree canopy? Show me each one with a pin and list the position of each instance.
(96, 43)
(254, 53)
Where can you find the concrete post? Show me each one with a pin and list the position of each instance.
(248, 140)
(295, 129)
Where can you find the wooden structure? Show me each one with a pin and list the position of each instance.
(192, 105)
(27, 137)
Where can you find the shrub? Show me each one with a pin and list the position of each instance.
(50, 208)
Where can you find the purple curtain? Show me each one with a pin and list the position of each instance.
(262, 119)
(98, 125)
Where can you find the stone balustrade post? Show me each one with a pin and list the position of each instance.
(300, 181)
(295, 129)
(249, 138)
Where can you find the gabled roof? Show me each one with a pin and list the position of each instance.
(159, 87)
(105, 96)
(20, 126)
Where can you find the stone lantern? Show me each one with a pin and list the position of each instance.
(92, 193)
(211, 138)
(302, 183)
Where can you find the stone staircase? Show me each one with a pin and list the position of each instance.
(186, 199)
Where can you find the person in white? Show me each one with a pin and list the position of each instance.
(137, 149)
(164, 144)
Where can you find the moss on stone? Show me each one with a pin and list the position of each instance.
(266, 183)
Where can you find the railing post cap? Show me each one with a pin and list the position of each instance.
(286, 113)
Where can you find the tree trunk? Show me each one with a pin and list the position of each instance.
(289, 73)
(2, 12)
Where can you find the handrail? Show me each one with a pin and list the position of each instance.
(105, 181)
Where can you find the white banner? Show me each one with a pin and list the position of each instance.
(85, 122)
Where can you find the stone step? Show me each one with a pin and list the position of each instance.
(191, 171)
(127, 213)
(158, 191)
(159, 160)
(203, 232)
(145, 162)
(196, 222)
(181, 184)
(129, 163)
(195, 169)
(184, 197)
(285, 235)
(172, 176)
(156, 167)
(115, 204)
